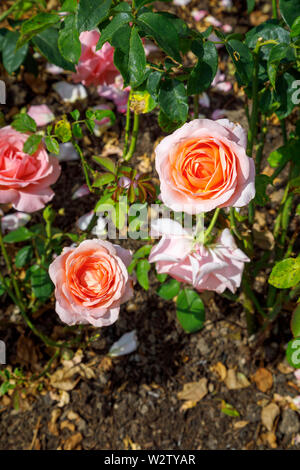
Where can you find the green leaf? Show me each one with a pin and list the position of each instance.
(296, 28)
(277, 53)
(250, 6)
(118, 216)
(229, 410)
(153, 81)
(295, 322)
(47, 43)
(69, 5)
(24, 256)
(75, 114)
(136, 59)
(19, 235)
(266, 31)
(91, 12)
(106, 162)
(166, 124)
(142, 252)
(103, 179)
(293, 353)
(41, 284)
(280, 156)
(261, 183)
(290, 10)
(173, 100)
(129, 56)
(169, 290)
(162, 30)
(32, 144)
(68, 40)
(12, 58)
(113, 26)
(204, 71)
(286, 273)
(36, 24)
(52, 145)
(105, 113)
(190, 311)
(242, 59)
(161, 277)
(142, 269)
(23, 123)
(284, 94)
(63, 131)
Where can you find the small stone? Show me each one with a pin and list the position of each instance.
(290, 423)
(203, 347)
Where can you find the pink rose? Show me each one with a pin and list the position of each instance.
(25, 179)
(91, 281)
(207, 268)
(95, 67)
(203, 165)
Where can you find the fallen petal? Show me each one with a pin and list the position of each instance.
(125, 345)
(69, 92)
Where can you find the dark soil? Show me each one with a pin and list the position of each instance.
(131, 402)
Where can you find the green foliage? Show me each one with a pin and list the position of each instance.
(35, 25)
(173, 100)
(295, 322)
(190, 311)
(91, 12)
(286, 273)
(24, 256)
(41, 284)
(169, 289)
(205, 70)
(47, 43)
(68, 40)
(142, 273)
(23, 123)
(290, 10)
(12, 58)
(21, 234)
(32, 144)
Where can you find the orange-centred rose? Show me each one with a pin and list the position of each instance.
(91, 282)
(203, 165)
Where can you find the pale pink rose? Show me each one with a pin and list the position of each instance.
(91, 282)
(214, 268)
(25, 179)
(95, 67)
(41, 114)
(218, 114)
(203, 165)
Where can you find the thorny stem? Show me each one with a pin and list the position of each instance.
(211, 225)
(134, 135)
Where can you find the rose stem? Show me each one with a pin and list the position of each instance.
(211, 225)
(274, 10)
(135, 131)
(85, 166)
(127, 127)
(9, 267)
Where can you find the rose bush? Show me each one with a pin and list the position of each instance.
(91, 282)
(25, 179)
(203, 165)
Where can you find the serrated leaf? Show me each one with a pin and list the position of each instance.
(105, 162)
(36, 24)
(24, 123)
(113, 26)
(286, 273)
(32, 144)
(24, 256)
(52, 145)
(68, 40)
(41, 284)
(21, 234)
(47, 43)
(103, 179)
(204, 71)
(173, 100)
(12, 58)
(290, 10)
(91, 12)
